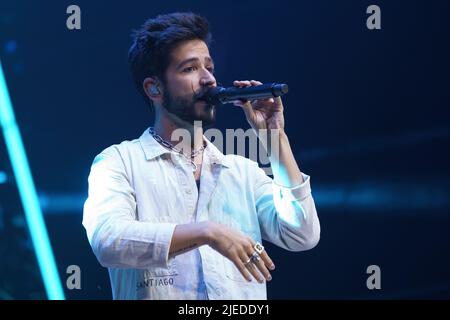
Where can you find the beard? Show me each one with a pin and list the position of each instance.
(190, 109)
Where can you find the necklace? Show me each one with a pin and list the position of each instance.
(170, 146)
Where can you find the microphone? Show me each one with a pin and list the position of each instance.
(217, 95)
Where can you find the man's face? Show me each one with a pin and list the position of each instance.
(188, 76)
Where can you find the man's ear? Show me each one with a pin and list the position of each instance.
(152, 89)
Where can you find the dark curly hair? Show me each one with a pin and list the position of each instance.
(149, 54)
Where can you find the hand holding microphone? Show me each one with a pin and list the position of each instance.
(261, 103)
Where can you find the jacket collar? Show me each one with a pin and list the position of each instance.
(153, 149)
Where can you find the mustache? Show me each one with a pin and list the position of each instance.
(199, 94)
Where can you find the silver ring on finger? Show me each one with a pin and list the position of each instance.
(255, 257)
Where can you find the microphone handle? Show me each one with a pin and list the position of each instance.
(263, 91)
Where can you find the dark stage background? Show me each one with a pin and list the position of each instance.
(367, 116)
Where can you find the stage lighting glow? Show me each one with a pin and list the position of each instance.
(28, 196)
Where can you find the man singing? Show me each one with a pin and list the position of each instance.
(175, 218)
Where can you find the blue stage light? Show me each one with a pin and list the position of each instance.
(28, 196)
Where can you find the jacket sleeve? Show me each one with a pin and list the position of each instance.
(117, 238)
(287, 216)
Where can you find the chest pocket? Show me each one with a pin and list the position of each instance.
(156, 283)
(171, 270)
